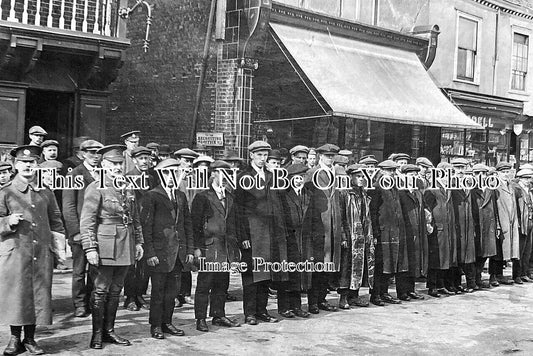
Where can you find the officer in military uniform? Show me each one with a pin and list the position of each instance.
(131, 140)
(112, 240)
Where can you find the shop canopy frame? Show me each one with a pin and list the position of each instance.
(350, 78)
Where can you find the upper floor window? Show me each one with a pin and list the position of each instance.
(467, 48)
(346, 9)
(519, 61)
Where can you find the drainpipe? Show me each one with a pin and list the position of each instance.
(495, 60)
(430, 32)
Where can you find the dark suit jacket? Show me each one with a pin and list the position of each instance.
(214, 227)
(73, 201)
(167, 229)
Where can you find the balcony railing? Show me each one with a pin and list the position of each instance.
(89, 16)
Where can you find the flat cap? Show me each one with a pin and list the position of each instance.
(152, 146)
(525, 173)
(345, 152)
(480, 168)
(328, 149)
(424, 162)
(90, 145)
(399, 156)
(203, 158)
(339, 159)
(355, 168)
(77, 141)
(368, 159)
(388, 164)
(164, 149)
(444, 165)
(49, 143)
(26, 153)
(5, 165)
(340, 171)
(51, 164)
(259, 146)
(406, 168)
(131, 134)
(231, 156)
(141, 150)
(168, 163)
(220, 164)
(298, 148)
(112, 153)
(526, 166)
(491, 171)
(297, 169)
(459, 161)
(186, 153)
(274, 154)
(502, 166)
(37, 130)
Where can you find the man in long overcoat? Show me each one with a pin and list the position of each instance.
(262, 233)
(167, 225)
(72, 204)
(28, 216)
(524, 204)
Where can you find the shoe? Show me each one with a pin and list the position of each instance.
(387, 298)
(468, 290)
(111, 337)
(188, 300)
(502, 280)
(172, 330)
(444, 291)
(141, 303)
(360, 302)
(230, 297)
(301, 313)
(266, 318)
(476, 287)
(526, 279)
(61, 267)
(313, 309)
(223, 321)
(493, 281)
(201, 325)
(157, 333)
(32, 347)
(14, 347)
(460, 289)
(518, 280)
(250, 320)
(179, 303)
(132, 306)
(81, 312)
(484, 285)
(343, 302)
(415, 295)
(455, 290)
(405, 297)
(434, 293)
(287, 314)
(377, 301)
(326, 306)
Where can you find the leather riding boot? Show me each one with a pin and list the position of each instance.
(110, 314)
(97, 306)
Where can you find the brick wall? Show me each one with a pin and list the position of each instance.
(155, 91)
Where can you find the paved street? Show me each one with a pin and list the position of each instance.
(494, 322)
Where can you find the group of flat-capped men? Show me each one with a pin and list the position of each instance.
(370, 236)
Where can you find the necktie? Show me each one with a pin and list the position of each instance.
(223, 199)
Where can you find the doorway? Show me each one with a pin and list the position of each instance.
(54, 112)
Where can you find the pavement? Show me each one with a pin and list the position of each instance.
(497, 321)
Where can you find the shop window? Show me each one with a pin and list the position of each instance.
(452, 144)
(519, 61)
(467, 48)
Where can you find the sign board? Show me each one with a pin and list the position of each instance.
(210, 139)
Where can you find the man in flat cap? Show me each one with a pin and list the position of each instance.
(311, 158)
(507, 228)
(328, 227)
(357, 256)
(50, 149)
(29, 216)
(37, 134)
(215, 240)
(299, 154)
(73, 199)
(6, 171)
(261, 233)
(77, 158)
(167, 229)
(136, 282)
(388, 229)
(424, 174)
(369, 161)
(414, 216)
(131, 140)
(112, 239)
(273, 160)
(525, 225)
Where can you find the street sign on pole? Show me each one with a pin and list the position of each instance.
(210, 139)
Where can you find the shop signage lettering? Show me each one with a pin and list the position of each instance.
(484, 121)
(210, 138)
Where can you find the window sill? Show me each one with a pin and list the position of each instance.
(519, 92)
(476, 83)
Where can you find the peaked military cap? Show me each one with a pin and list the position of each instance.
(459, 161)
(131, 134)
(186, 153)
(37, 130)
(298, 148)
(90, 145)
(406, 168)
(388, 164)
(49, 143)
(26, 153)
(328, 149)
(297, 169)
(141, 150)
(424, 162)
(259, 146)
(112, 153)
(501, 166)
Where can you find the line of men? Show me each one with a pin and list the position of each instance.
(368, 237)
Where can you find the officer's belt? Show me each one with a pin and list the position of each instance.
(110, 221)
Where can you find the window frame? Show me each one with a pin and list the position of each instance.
(477, 59)
(523, 32)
